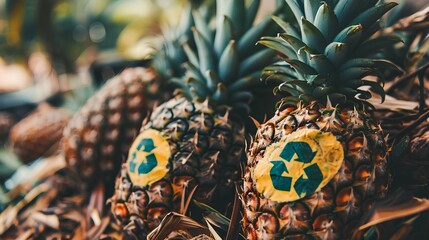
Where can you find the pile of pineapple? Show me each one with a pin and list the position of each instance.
(181, 150)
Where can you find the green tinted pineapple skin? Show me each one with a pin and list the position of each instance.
(207, 145)
(101, 132)
(330, 213)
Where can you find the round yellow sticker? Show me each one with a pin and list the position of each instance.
(298, 165)
(148, 158)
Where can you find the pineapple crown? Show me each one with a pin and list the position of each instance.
(169, 59)
(329, 51)
(224, 62)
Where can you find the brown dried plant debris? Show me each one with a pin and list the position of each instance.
(55, 208)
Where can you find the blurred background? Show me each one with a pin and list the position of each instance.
(61, 51)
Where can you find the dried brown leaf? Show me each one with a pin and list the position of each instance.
(202, 237)
(10, 214)
(26, 235)
(403, 230)
(188, 200)
(212, 230)
(96, 204)
(391, 103)
(419, 20)
(79, 233)
(175, 222)
(76, 216)
(51, 220)
(96, 231)
(384, 214)
(234, 223)
(46, 168)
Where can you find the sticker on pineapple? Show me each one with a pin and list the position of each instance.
(298, 165)
(148, 158)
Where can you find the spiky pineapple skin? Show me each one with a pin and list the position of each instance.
(330, 213)
(206, 145)
(34, 135)
(100, 133)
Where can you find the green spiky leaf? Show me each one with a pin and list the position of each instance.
(235, 10)
(310, 9)
(221, 93)
(296, 10)
(242, 97)
(320, 91)
(191, 55)
(199, 88)
(287, 27)
(354, 73)
(202, 27)
(301, 67)
(321, 63)
(250, 80)
(326, 22)
(312, 37)
(364, 94)
(212, 80)
(194, 72)
(228, 62)
(350, 36)
(345, 10)
(251, 12)
(370, 16)
(376, 88)
(278, 45)
(223, 35)
(205, 54)
(337, 52)
(256, 61)
(252, 36)
(371, 63)
(294, 42)
(376, 45)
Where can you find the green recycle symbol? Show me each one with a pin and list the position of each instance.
(146, 145)
(305, 155)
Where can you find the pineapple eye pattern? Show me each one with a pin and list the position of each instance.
(298, 165)
(148, 158)
(305, 155)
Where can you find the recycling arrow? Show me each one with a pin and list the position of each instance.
(280, 182)
(305, 186)
(147, 145)
(302, 149)
(149, 165)
(305, 155)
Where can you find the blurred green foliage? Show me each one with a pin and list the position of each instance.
(65, 28)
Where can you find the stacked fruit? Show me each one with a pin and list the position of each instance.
(314, 170)
(192, 146)
(100, 133)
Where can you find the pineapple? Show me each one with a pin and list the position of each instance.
(191, 146)
(100, 133)
(38, 133)
(314, 169)
(102, 130)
